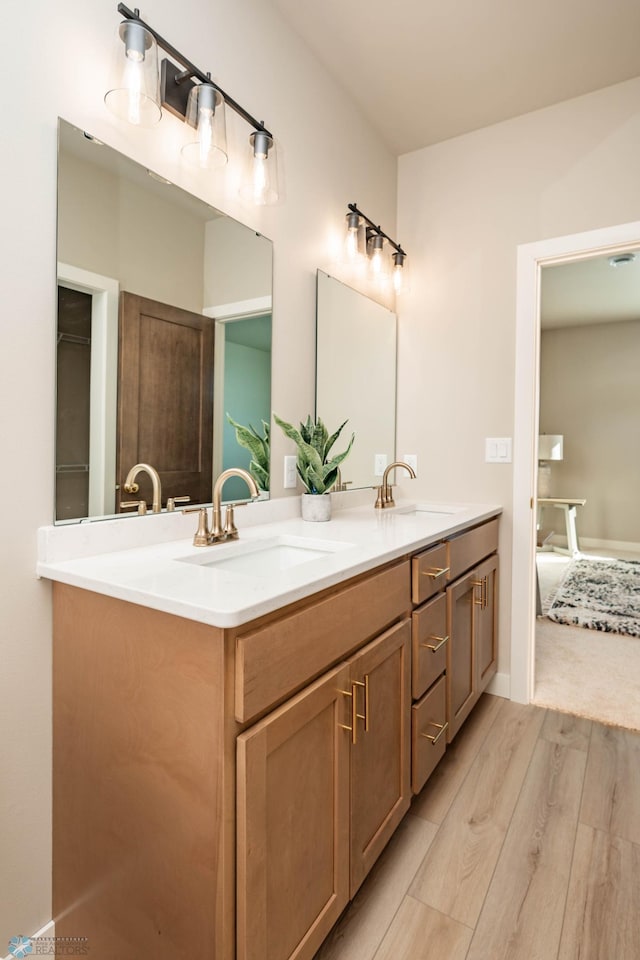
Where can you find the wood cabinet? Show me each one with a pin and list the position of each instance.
(233, 787)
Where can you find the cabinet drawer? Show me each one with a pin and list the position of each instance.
(285, 654)
(429, 644)
(428, 734)
(468, 548)
(429, 572)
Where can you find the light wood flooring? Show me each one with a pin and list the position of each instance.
(523, 845)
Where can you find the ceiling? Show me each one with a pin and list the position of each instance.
(423, 71)
(590, 291)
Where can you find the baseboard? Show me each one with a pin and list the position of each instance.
(624, 545)
(500, 685)
(47, 932)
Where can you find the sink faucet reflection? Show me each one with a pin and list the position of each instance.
(132, 487)
(385, 490)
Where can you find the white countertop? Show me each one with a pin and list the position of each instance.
(173, 576)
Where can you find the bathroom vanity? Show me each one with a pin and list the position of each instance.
(235, 741)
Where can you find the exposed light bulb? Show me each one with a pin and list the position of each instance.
(133, 81)
(376, 260)
(399, 272)
(351, 244)
(261, 186)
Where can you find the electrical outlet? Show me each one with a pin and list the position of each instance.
(379, 464)
(290, 475)
(411, 460)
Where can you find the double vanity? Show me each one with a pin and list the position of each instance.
(239, 729)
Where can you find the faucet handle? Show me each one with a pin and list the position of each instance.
(171, 502)
(202, 537)
(230, 529)
(140, 504)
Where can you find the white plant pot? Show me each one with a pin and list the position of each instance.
(316, 506)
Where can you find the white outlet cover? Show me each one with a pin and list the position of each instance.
(411, 459)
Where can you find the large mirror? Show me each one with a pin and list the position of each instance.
(164, 327)
(356, 376)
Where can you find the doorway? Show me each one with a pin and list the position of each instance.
(531, 258)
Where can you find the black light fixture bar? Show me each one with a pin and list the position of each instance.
(171, 74)
(377, 229)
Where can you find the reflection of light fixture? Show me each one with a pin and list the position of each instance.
(550, 447)
(621, 259)
(376, 238)
(189, 94)
(205, 112)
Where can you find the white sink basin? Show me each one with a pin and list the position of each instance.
(430, 510)
(265, 558)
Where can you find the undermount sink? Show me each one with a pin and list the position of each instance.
(429, 510)
(265, 558)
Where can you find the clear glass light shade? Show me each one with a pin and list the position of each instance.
(378, 262)
(206, 112)
(354, 240)
(260, 181)
(134, 93)
(400, 272)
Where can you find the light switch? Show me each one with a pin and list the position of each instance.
(497, 450)
(290, 476)
(379, 464)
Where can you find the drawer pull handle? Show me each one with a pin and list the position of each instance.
(484, 599)
(434, 647)
(441, 727)
(364, 716)
(435, 572)
(353, 730)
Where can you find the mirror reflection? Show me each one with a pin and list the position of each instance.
(164, 327)
(356, 376)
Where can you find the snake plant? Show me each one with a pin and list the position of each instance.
(258, 446)
(316, 470)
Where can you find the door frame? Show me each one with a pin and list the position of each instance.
(531, 257)
(105, 293)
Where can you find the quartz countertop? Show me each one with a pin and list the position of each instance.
(271, 565)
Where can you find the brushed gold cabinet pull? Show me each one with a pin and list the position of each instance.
(435, 572)
(479, 602)
(486, 591)
(354, 713)
(441, 727)
(434, 647)
(364, 716)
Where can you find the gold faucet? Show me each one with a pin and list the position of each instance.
(218, 534)
(132, 487)
(385, 490)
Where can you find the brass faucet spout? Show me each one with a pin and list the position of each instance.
(131, 486)
(385, 490)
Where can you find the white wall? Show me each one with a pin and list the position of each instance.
(330, 157)
(464, 206)
(590, 393)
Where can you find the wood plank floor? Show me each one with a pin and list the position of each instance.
(523, 845)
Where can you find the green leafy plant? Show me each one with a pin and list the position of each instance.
(259, 448)
(317, 472)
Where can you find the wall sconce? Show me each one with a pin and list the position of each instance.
(139, 92)
(365, 238)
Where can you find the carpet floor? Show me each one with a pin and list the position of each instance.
(584, 672)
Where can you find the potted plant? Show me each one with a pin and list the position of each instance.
(316, 469)
(258, 447)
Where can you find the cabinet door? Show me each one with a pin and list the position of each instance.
(486, 638)
(463, 598)
(293, 823)
(380, 758)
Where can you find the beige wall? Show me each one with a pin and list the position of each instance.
(464, 206)
(237, 265)
(63, 71)
(101, 220)
(590, 393)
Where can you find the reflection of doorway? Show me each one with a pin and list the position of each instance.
(247, 389)
(531, 258)
(165, 398)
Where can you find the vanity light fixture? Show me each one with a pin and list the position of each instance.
(140, 91)
(375, 241)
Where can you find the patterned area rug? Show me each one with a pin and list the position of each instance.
(600, 594)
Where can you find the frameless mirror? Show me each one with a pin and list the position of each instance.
(356, 376)
(164, 327)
